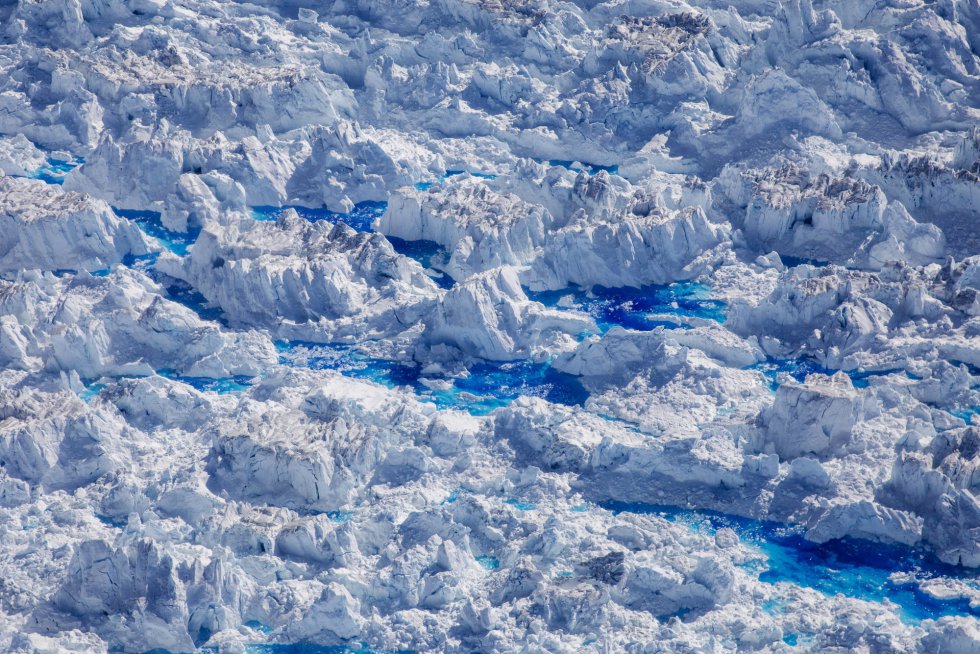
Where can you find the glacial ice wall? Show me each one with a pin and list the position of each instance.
(489, 326)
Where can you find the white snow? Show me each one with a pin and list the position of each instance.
(667, 338)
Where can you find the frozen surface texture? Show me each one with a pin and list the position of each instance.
(489, 326)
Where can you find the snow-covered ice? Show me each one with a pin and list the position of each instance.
(489, 326)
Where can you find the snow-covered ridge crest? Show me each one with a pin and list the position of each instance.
(45, 228)
(489, 326)
(263, 273)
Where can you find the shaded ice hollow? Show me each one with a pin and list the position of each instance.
(489, 326)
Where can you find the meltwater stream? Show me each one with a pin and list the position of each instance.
(675, 305)
(359, 218)
(485, 386)
(855, 568)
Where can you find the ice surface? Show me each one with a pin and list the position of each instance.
(489, 326)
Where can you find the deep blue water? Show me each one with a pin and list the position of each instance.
(424, 252)
(792, 262)
(498, 384)
(141, 262)
(71, 272)
(798, 369)
(177, 242)
(64, 272)
(590, 168)
(636, 308)
(234, 384)
(348, 360)
(183, 293)
(360, 217)
(488, 386)
(972, 369)
(855, 568)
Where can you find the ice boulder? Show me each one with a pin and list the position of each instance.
(44, 227)
(490, 317)
(816, 417)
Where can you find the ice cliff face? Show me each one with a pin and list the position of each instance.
(46, 228)
(489, 326)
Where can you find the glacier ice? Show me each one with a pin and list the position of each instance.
(489, 326)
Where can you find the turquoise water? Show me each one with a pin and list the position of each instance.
(488, 562)
(642, 309)
(340, 516)
(966, 414)
(54, 170)
(359, 218)
(451, 173)
(425, 186)
(90, 392)
(855, 568)
(489, 385)
(149, 221)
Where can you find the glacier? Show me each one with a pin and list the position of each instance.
(377, 326)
